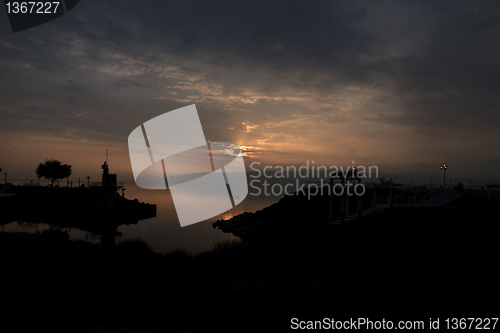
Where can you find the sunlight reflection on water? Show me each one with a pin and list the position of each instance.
(163, 232)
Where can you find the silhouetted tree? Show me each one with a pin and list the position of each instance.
(53, 170)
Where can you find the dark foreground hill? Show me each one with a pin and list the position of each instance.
(411, 266)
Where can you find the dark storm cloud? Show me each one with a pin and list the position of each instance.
(411, 47)
(430, 66)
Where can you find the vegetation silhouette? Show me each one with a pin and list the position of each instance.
(403, 265)
(53, 170)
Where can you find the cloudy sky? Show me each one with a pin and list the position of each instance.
(404, 85)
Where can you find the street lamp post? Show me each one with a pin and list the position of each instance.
(444, 167)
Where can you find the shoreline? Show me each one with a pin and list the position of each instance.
(372, 271)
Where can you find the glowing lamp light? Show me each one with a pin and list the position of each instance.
(444, 167)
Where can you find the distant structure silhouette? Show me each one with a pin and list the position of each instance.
(108, 179)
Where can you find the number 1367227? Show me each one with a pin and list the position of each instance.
(32, 7)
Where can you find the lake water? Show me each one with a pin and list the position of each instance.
(163, 232)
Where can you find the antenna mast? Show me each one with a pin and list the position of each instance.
(107, 156)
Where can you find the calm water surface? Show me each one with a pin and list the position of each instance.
(163, 232)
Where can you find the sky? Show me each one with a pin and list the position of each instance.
(403, 85)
